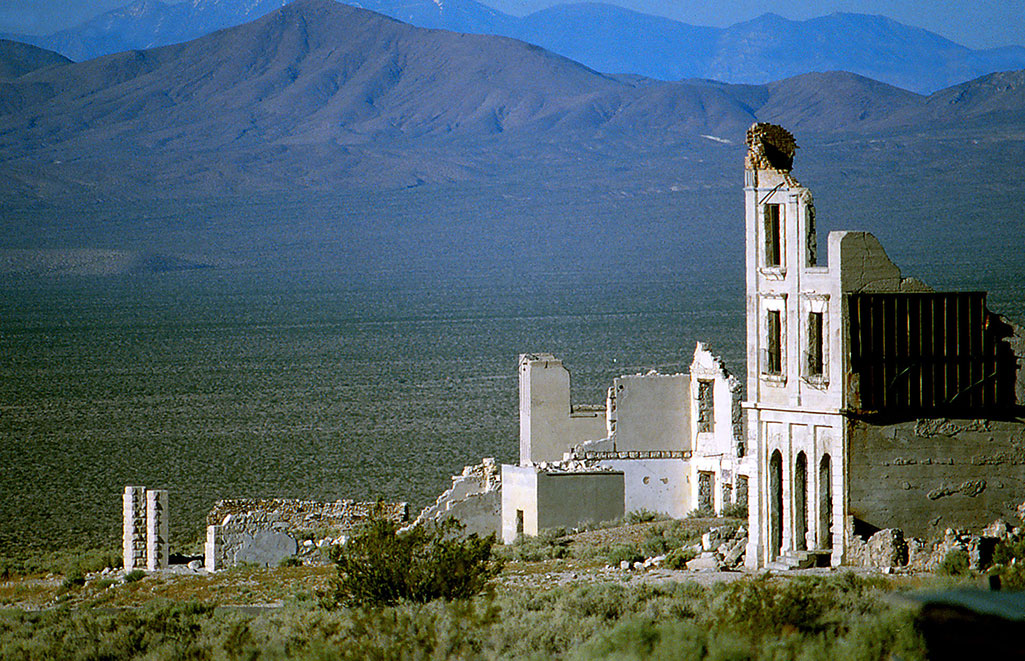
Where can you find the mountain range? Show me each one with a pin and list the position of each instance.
(603, 37)
(352, 86)
(326, 132)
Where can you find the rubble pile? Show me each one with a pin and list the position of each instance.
(888, 549)
(721, 549)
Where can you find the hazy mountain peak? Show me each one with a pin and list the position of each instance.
(18, 59)
(606, 38)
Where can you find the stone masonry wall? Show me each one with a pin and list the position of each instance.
(134, 528)
(156, 530)
(265, 531)
(144, 541)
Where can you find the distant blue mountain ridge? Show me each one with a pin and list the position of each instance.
(606, 38)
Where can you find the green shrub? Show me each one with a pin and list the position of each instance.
(548, 545)
(701, 513)
(678, 558)
(664, 537)
(1009, 551)
(955, 563)
(643, 516)
(60, 562)
(735, 511)
(135, 575)
(620, 552)
(381, 567)
(639, 638)
(74, 578)
(767, 607)
(1009, 562)
(1012, 577)
(291, 561)
(839, 618)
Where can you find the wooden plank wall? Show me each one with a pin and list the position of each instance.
(922, 352)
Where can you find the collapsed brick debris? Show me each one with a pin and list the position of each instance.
(771, 147)
(722, 548)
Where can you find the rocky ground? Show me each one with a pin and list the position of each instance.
(583, 559)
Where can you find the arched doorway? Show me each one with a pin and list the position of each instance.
(775, 505)
(825, 503)
(801, 502)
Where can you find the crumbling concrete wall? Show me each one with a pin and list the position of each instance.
(650, 412)
(255, 530)
(309, 514)
(474, 499)
(1016, 344)
(928, 475)
(253, 538)
(549, 425)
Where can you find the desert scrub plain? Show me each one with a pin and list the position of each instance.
(555, 597)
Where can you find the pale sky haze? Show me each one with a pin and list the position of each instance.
(974, 23)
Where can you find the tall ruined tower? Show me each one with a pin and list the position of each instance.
(793, 388)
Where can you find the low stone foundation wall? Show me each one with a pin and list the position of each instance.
(265, 531)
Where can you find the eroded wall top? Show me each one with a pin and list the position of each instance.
(770, 147)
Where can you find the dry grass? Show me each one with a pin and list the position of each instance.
(636, 533)
(239, 586)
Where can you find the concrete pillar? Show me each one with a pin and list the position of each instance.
(133, 540)
(156, 530)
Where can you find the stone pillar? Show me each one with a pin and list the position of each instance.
(133, 542)
(156, 530)
(212, 549)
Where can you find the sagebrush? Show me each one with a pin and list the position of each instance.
(383, 566)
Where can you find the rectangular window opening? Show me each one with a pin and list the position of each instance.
(815, 344)
(811, 242)
(773, 235)
(774, 348)
(519, 522)
(706, 406)
(706, 492)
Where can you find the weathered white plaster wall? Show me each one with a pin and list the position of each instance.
(549, 426)
(475, 499)
(519, 492)
(651, 412)
(558, 499)
(793, 412)
(723, 439)
(657, 485)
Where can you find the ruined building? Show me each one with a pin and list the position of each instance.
(669, 443)
(872, 401)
